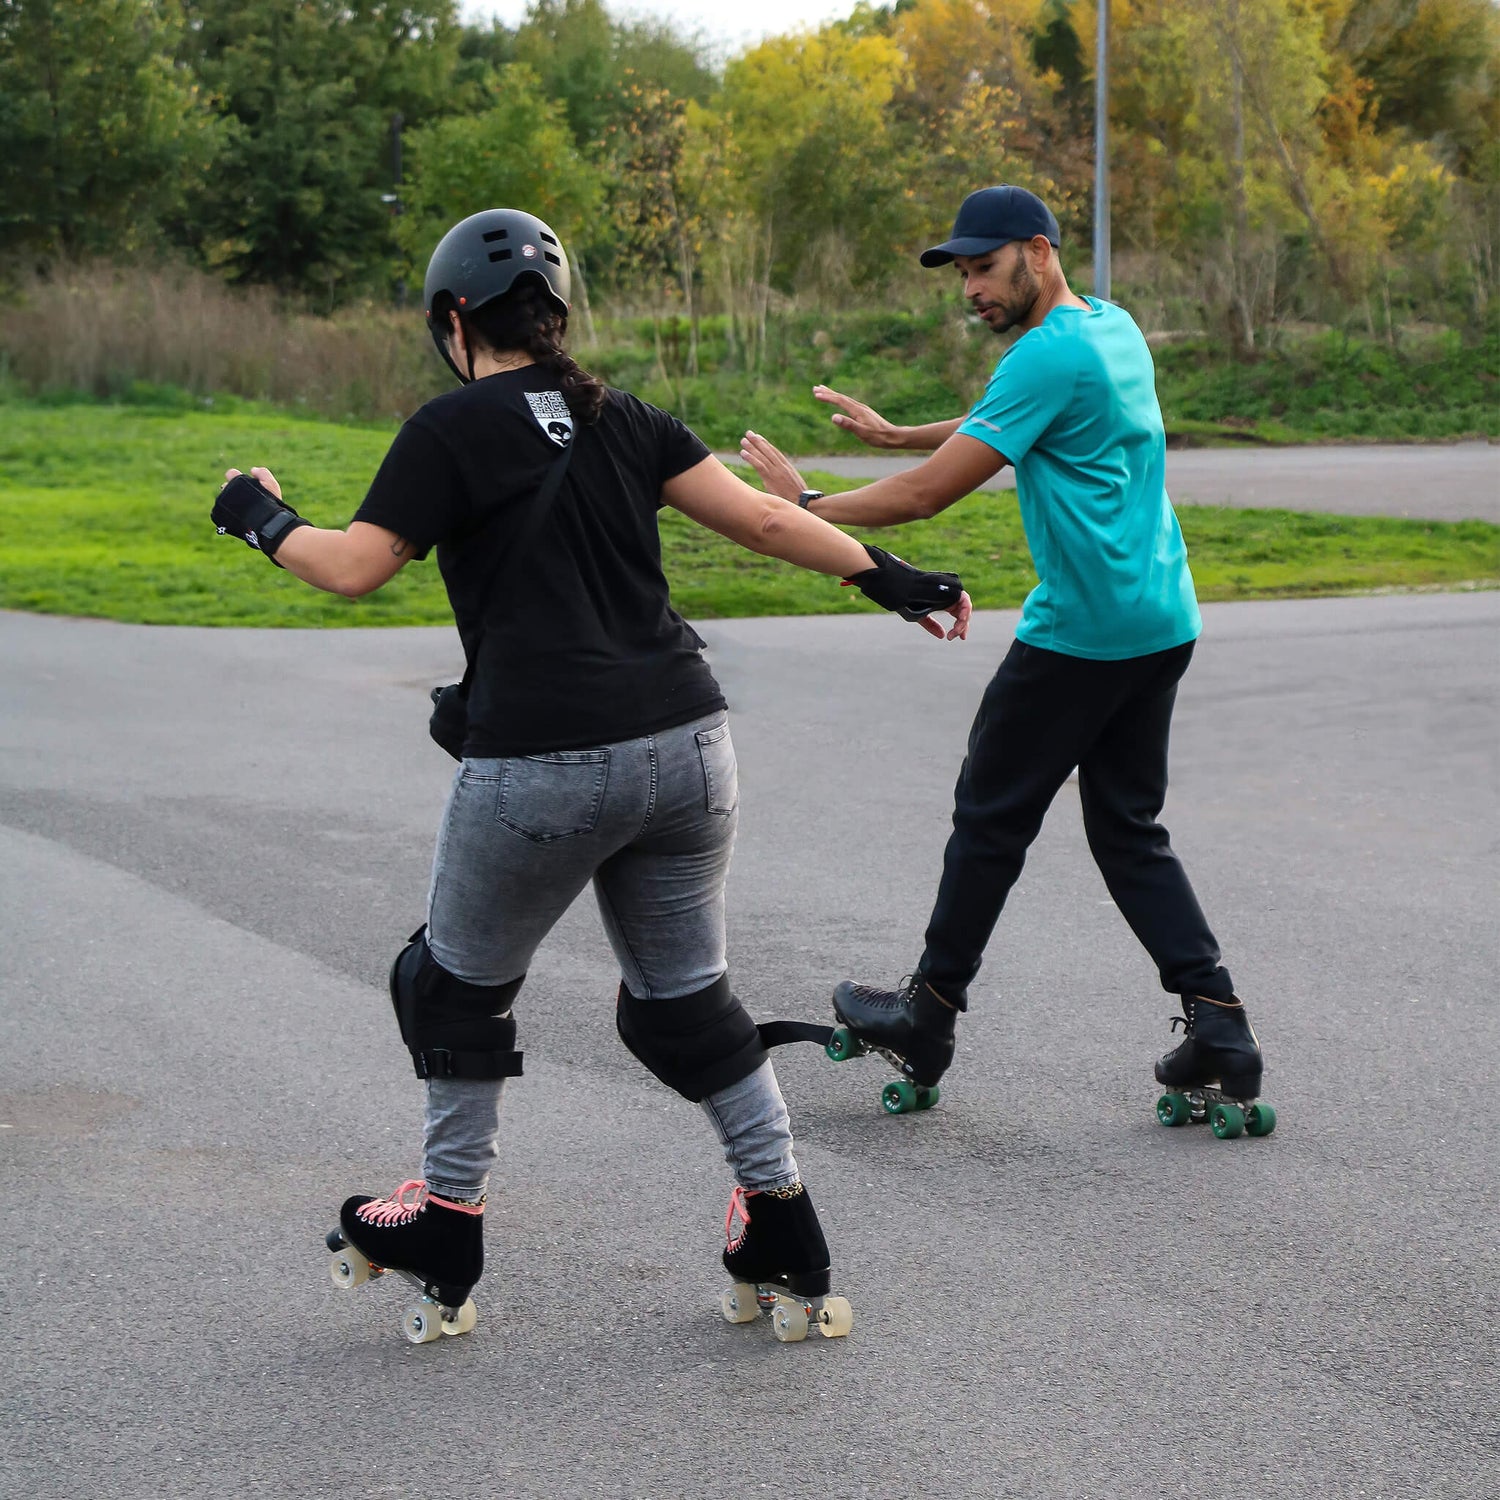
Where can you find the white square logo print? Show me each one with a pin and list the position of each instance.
(552, 415)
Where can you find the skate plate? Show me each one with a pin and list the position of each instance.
(791, 1316)
(424, 1320)
(899, 1098)
(1226, 1116)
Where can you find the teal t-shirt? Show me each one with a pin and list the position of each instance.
(1072, 404)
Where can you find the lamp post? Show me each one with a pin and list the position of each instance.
(393, 198)
(1101, 156)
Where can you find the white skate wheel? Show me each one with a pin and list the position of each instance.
(349, 1268)
(422, 1323)
(789, 1322)
(740, 1304)
(465, 1319)
(837, 1318)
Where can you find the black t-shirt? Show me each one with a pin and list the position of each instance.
(583, 646)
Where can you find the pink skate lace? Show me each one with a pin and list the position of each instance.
(738, 1204)
(400, 1208)
(407, 1202)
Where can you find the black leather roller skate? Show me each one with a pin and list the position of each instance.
(434, 1243)
(1214, 1073)
(779, 1261)
(911, 1028)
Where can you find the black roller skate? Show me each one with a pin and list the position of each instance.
(1214, 1073)
(434, 1243)
(911, 1028)
(779, 1261)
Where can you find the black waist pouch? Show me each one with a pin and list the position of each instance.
(449, 721)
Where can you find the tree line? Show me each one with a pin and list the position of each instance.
(1273, 159)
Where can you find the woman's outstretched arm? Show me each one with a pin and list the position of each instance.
(710, 495)
(353, 562)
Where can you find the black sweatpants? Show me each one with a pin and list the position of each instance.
(1042, 714)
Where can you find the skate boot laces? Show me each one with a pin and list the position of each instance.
(897, 999)
(403, 1206)
(400, 1208)
(738, 1207)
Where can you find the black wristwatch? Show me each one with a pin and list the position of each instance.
(807, 496)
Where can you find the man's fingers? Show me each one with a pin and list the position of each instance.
(931, 626)
(835, 398)
(754, 451)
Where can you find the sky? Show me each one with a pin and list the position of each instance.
(728, 25)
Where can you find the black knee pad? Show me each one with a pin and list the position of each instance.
(696, 1044)
(452, 1028)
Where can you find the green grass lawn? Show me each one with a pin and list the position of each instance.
(104, 512)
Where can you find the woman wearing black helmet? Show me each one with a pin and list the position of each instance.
(594, 742)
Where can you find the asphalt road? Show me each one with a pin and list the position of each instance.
(1437, 482)
(212, 843)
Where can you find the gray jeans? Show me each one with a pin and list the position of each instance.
(650, 822)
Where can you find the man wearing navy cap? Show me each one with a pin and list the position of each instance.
(1103, 640)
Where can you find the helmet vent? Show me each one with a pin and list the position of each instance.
(496, 234)
(550, 239)
(555, 259)
(500, 254)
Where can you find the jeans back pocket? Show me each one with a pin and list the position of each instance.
(552, 796)
(721, 777)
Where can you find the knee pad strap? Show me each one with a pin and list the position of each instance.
(696, 1044)
(453, 1029)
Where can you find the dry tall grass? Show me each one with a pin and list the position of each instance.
(103, 329)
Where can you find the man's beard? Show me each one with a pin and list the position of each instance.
(1024, 289)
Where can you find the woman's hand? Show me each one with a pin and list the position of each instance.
(249, 508)
(262, 476)
(960, 612)
(774, 467)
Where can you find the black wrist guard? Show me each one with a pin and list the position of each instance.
(911, 593)
(247, 509)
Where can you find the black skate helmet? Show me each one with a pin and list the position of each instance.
(480, 259)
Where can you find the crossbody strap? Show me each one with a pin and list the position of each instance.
(508, 559)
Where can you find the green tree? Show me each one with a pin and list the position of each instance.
(984, 104)
(821, 168)
(517, 152)
(101, 131)
(592, 62)
(310, 89)
(482, 49)
(1430, 63)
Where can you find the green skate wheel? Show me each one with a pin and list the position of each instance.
(926, 1096)
(841, 1046)
(1174, 1109)
(899, 1097)
(1227, 1121)
(1260, 1119)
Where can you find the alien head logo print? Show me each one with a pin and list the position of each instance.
(552, 415)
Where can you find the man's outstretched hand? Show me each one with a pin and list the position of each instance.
(864, 422)
(774, 467)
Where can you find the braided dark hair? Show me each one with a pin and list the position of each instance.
(525, 318)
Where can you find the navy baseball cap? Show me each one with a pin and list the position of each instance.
(993, 217)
